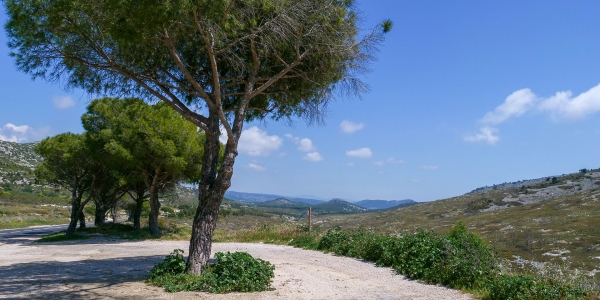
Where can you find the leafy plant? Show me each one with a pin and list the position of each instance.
(459, 259)
(506, 287)
(233, 272)
(239, 272)
(172, 265)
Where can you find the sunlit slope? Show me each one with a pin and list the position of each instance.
(561, 227)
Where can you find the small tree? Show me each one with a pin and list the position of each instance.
(68, 163)
(151, 144)
(218, 63)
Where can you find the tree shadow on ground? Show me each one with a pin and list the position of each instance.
(87, 279)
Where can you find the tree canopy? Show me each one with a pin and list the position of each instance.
(151, 144)
(218, 63)
(68, 163)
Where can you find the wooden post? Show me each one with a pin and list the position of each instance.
(309, 219)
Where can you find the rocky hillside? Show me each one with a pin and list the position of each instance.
(17, 162)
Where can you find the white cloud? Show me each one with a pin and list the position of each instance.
(516, 104)
(313, 156)
(256, 142)
(416, 180)
(63, 102)
(392, 160)
(426, 167)
(486, 134)
(350, 164)
(304, 144)
(23, 133)
(255, 167)
(351, 127)
(563, 106)
(360, 153)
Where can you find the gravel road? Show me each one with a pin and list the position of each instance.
(101, 268)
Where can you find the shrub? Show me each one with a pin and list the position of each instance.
(459, 259)
(233, 272)
(306, 241)
(239, 272)
(506, 287)
(168, 210)
(469, 261)
(172, 265)
(420, 256)
(186, 211)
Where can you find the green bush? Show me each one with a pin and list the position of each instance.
(506, 287)
(173, 264)
(469, 261)
(186, 211)
(306, 241)
(168, 210)
(233, 272)
(459, 259)
(239, 272)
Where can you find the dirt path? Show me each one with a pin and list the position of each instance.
(103, 268)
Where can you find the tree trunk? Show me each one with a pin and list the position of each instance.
(100, 215)
(140, 190)
(77, 209)
(211, 191)
(203, 227)
(75, 203)
(81, 218)
(154, 211)
(114, 213)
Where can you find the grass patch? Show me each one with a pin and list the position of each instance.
(170, 231)
(232, 272)
(266, 233)
(61, 237)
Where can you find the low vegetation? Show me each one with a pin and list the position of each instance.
(21, 207)
(553, 233)
(171, 231)
(459, 259)
(232, 272)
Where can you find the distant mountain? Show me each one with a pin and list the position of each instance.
(385, 204)
(337, 206)
(256, 197)
(300, 209)
(282, 202)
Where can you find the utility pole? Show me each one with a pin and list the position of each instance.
(309, 219)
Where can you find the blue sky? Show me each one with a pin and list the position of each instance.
(464, 94)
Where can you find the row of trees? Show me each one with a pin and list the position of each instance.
(129, 148)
